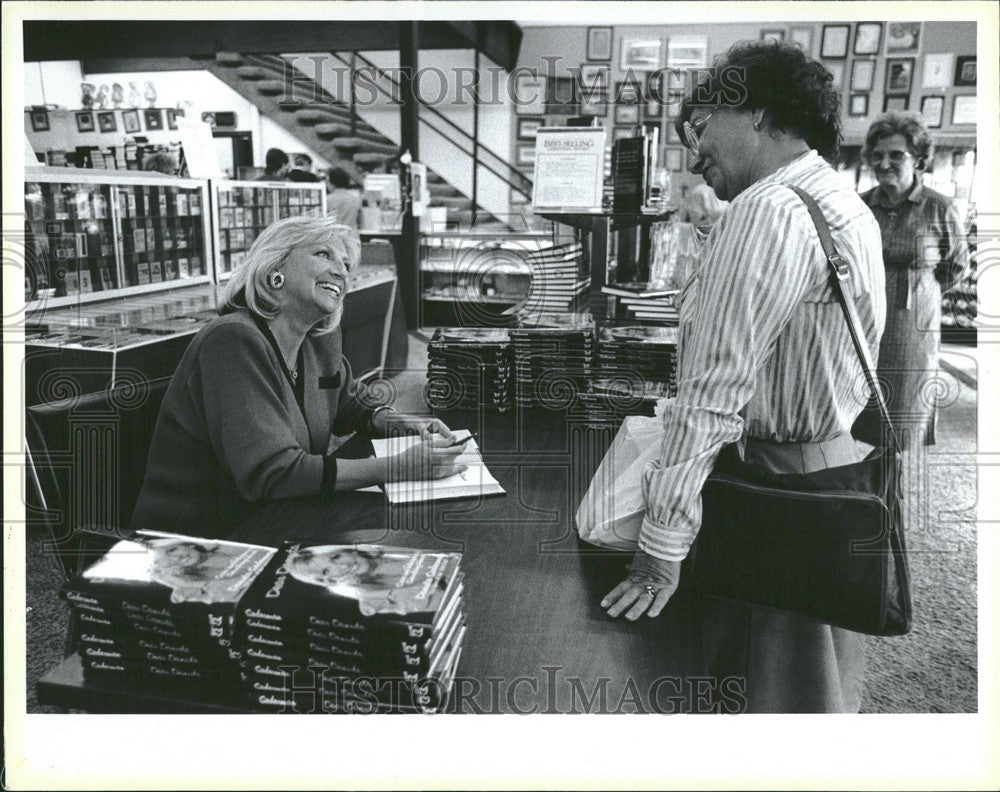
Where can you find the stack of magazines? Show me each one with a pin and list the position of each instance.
(352, 628)
(557, 280)
(469, 368)
(553, 359)
(157, 610)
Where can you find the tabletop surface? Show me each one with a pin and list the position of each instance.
(537, 639)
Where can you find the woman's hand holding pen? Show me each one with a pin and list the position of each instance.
(434, 456)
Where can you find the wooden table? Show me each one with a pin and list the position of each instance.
(537, 639)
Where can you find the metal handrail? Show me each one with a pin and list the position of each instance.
(268, 62)
(381, 73)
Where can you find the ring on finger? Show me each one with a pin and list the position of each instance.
(650, 590)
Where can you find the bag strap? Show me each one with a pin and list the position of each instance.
(841, 278)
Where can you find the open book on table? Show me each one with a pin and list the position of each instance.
(473, 482)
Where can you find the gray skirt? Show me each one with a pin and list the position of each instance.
(786, 663)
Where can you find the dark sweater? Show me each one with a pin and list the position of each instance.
(231, 434)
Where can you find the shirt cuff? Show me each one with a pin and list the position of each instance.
(329, 483)
(376, 411)
(664, 546)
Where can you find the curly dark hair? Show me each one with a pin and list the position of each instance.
(918, 139)
(796, 91)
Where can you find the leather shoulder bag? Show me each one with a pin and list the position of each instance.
(827, 545)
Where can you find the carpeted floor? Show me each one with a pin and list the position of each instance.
(933, 669)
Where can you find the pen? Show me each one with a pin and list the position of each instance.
(463, 440)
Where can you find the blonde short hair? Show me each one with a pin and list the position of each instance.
(249, 286)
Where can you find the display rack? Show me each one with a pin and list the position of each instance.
(470, 280)
(95, 235)
(242, 209)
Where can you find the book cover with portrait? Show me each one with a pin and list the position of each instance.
(349, 588)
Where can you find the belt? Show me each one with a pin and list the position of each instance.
(802, 457)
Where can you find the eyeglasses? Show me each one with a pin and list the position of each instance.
(692, 133)
(895, 157)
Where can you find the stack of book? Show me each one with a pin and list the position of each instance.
(352, 628)
(157, 610)
(553, 359)
(641, 359)
(646, 302)
(469, 368)
(557, 280)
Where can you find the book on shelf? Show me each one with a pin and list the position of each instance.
(638, 291)
(474, 482)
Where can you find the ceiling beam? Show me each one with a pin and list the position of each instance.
(87, 40)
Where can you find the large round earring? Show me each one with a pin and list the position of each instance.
(276, 280)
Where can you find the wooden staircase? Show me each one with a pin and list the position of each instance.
(329, 128)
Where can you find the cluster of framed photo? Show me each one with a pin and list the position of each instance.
(900, 44)
(133, 120)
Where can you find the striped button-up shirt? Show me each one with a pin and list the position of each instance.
(764, 349)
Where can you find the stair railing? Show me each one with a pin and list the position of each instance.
(518, 182)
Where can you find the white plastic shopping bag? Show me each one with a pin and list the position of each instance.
(611, 512)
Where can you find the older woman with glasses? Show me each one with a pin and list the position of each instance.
(925, 255)
(250, 412)
(766, 360)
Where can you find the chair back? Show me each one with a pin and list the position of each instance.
(86, 463)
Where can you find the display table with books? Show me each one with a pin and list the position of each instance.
(534, 636)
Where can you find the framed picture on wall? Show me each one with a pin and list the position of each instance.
(937, 69)
(171, 118)
(626, 114)
(527, 128)
(595, 76)
(896, 104)
(965, 70)
(529, 94)
(652, 108)
(834, 41)
(641, 54)
(687, 52)
(599, 40)
(106, 121)
(153, 118)
(932, 111)
(802, 37)
(561, 96)
(858, 105)
(594, 103)
(628, 100)
(837, 70)
(898, 75)
(963, 110)
(40, 119)
(902, 38)
(525, 155)
(85, 121)
(130, 121)
(868, 38)
(863, 74)
(772, 35)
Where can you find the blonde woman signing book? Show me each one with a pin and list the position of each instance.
(251, 409)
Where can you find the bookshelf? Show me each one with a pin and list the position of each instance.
(91, 235)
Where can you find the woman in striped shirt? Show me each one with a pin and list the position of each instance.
(765, 358)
